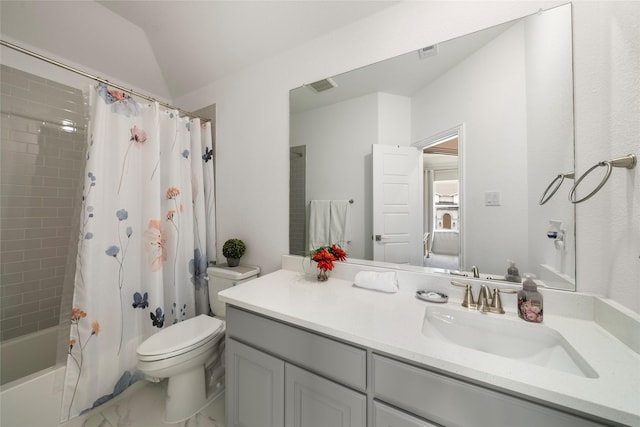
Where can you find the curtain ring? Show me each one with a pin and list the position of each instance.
(628, 162)
(559, 179)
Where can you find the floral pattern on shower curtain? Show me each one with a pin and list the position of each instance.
(142, 249)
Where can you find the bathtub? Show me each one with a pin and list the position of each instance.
(29, 375)
(25, 355)
(17, 399)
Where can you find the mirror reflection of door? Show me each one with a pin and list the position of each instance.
(442, 206)
(397, 204)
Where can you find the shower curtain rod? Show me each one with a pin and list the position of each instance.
(98, 79)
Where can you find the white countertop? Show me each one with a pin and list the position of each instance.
(392, 323)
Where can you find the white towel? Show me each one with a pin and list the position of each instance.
(340, 224)
(385, 282)
(319, 223)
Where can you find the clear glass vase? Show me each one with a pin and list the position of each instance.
(323, 275)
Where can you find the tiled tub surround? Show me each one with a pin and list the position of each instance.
(42, 144)
(605, 334)
(297, 204)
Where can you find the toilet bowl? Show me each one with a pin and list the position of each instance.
(180, 353)
(191, 353)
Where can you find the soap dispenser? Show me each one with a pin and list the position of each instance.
(513, 275)
(530, 301)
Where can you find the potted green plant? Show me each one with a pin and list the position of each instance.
(233, 249)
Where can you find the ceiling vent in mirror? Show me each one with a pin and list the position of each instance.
(428, 51)
(321, 85)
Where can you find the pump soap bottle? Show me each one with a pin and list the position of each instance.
(513, 275)
(530, 301)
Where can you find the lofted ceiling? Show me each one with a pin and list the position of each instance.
(401, 75)
(172, 48)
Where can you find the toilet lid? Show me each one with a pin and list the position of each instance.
(180, 338)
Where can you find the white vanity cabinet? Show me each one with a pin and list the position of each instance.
(254, 387)
(281, 375)
(312, 401)
(448, 401)
(386, 416)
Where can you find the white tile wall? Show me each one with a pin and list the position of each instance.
(40, 168)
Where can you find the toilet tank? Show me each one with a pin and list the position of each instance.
(221, 277)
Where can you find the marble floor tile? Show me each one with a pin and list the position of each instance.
(144, 407)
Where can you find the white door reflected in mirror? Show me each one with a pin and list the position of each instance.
(397, 204)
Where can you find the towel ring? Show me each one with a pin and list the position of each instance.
(557, 182)
(628, 162)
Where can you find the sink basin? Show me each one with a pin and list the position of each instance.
(511, 338)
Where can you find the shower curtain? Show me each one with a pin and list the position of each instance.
(147, 205)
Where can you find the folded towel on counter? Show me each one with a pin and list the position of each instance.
(379, 281)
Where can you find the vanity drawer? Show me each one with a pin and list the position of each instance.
(386, 416)
(341, 362)
(449, 401)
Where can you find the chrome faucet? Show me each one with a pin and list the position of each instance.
(476, 272)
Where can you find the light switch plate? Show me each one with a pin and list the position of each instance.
(492, 198)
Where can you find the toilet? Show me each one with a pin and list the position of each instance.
(191, 353)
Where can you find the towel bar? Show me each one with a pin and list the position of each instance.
(628, 161)
(558, 182)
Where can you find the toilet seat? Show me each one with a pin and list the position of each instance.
(180, 338)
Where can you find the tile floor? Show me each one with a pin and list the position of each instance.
(143, 406)
(450, 262)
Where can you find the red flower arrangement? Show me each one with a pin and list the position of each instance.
(325, 256)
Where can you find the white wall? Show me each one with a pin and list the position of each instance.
(607, 103)
(394, 119)
(514, 94)
(549, 128)
(486, 92)
(327, 131)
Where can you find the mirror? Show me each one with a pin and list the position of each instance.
(505, 95)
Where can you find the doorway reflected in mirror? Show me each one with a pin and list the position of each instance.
(442, 201)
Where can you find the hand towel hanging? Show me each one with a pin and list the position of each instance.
(340, 224)
(319, 223)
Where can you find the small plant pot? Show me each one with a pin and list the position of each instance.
(232, 250)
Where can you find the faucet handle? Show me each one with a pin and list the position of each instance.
(468, 300)
(496, 302)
